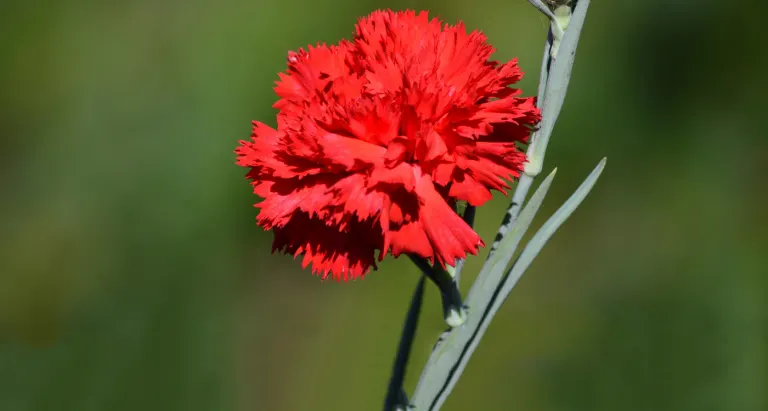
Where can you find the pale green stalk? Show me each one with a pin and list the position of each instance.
(495, 282)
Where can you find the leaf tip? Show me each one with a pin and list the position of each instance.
(601, 164)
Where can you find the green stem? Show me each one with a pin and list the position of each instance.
(454, 311)
(396, 397)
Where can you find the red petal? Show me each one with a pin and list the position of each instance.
(332, 253)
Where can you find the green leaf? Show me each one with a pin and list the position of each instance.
(557, 79)
(466, 344)
(541, 237)
(440, 369)
(493, 269)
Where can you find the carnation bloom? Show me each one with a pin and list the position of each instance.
(378, 137)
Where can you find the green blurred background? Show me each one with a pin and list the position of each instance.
(133, 277)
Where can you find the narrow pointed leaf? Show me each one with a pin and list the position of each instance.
(450, 349)
(542, 8)
(490, 275)
(541, 237)
(560, 74)
(521, 264)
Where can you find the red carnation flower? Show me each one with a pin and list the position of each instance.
(378, 137)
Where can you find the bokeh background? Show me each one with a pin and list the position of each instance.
(133, 277)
